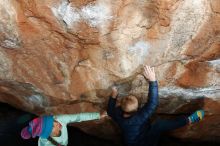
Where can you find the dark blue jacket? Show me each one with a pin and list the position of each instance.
(135, 127)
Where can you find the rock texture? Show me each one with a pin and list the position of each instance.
(61, 56)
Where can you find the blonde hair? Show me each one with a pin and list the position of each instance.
(129, 104)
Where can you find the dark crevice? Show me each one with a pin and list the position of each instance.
(13, 120)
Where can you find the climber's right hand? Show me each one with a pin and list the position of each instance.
(149, 73)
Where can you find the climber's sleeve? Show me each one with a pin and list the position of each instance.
(71, 118)
(148, 109)
(111, 107)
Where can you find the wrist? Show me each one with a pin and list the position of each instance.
(114, 97)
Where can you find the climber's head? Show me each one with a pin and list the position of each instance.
(129, 104)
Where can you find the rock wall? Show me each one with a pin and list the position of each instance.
(61, 56)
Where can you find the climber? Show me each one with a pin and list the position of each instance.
(135, 125)
(52, 130)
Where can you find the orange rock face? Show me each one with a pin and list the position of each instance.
(61, 56)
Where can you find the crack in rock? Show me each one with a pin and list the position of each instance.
(212, 92)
